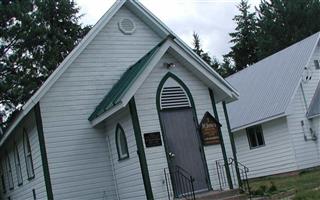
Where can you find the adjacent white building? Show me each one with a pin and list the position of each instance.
(276, 121)
(124, 106)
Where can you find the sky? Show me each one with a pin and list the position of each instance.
(211, 19)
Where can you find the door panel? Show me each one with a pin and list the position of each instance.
(182, 141)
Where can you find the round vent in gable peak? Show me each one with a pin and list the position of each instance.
(127, 26)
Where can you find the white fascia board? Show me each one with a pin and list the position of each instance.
(313, 116)
(135, 85)
(203, 71)
(258, 122)
(143, 76)
(107, 114)
(74, 53)
(205, 65)
(183, 45)
(63, 66)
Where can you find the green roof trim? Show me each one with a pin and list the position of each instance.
(113, 97)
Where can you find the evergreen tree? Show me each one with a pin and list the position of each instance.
(213, 62)
(35, 36)
(284, 22)
(244, 50)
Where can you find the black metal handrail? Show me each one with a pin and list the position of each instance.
(179, 183)
(243, 183)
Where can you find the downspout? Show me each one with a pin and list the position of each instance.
(113, 168)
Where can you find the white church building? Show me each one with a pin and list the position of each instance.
(129, 113)
(276, 121)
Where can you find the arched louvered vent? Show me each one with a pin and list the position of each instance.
(174, 97)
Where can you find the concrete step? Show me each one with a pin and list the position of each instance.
(221, 195)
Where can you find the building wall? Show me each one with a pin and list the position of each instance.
(277, 156)
(306, 151)
(127, 172)
(149, 121)
(24, 191)
(77, 158)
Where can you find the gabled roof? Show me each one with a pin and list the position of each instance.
(314, 108)
(267, 87)
(146, 16)
(118, 90)
(119, 96)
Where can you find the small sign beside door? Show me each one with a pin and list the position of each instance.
(152, 139)
(209, 128)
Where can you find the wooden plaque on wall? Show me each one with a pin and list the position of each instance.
(209, 128)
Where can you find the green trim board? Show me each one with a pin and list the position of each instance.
(119, 127)
(162, 82)
(113, 97)
(43, 152)
(140, 149)
(221, 140)
(233, 146)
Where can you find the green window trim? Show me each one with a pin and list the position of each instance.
(255, 137)
(9, 172)
(122, 145)
(28, 155)
(18, 164)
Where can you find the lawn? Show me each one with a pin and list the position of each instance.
(302, 186)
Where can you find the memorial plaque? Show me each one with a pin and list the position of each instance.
(152, 139)
(209, 128)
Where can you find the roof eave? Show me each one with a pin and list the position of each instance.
(62, 67)
(166, 30)
(258, 122)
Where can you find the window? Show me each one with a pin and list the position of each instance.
(9, 172)
(255, 136)
(121, 142)
(28, 155)
(4, 189)
(17, 163)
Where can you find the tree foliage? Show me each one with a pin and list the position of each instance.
(275, 25)
(244, 49)
(284, 22)
(35, 36)
(211, 61)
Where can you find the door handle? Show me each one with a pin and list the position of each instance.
(171, 155)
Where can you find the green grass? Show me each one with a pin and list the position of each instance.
(304, 186)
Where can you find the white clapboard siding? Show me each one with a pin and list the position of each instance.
(127, 172)
(277, 156)
(24, 191)
(149, 120)
(77, 153)
(306, 152)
